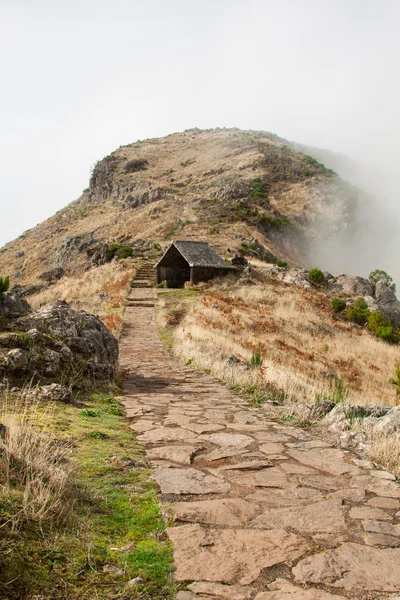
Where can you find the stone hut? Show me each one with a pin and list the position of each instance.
(190, 261)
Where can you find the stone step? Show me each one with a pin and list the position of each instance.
(139, 304)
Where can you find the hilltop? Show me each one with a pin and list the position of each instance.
(235, 189)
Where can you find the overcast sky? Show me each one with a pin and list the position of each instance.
(80, 78)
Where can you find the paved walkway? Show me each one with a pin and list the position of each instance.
(261, 510)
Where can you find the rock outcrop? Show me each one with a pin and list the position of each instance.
(58, 344)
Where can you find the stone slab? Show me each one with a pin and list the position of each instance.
(202, 554)
(324, 517)
(167, 434)
(177, 454)
(369, 513)
(221, 591)
(189, 481)
(329, 460)
(228, 511)
(353, 567)
(281, 589)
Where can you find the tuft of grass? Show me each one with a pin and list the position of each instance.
(256, 360)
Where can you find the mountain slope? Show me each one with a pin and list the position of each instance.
(191, 184)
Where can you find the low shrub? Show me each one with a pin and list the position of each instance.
(157, 247)
(281, 263)
(137, 164)
(4, 285)
(396, 381)
(338, 305)
(119, 250)
(258, 191)
(379, 324)
(316, 275)
(359, 313)
(124, 252)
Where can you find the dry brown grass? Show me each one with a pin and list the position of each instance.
(100, 291)
(302, 344)
(33, 465)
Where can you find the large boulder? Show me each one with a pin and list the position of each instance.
(387, 302)
(350, 284)
(56, 343)
(296, 277)
(82, 333)
(13, 306)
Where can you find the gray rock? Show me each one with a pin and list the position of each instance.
(17, 360)
(13, 306)
(83, 334)
(350, 284)
(296, 277)
(387, 302)
(55, 392)
(52, 275)
(390, 423)
(337, 420)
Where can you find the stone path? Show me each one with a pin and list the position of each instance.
(261, 510)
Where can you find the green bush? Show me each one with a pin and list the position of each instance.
(279, 222)
(157, 247)
(379, 275)
(387, 334)
(257, 191)
(4, 285)
(396, 381)
(316, 276)
(124, 252)
(118, 250)
(137, 164)
(338, 305)
(244, 245)
(359, 313)
(281, 263)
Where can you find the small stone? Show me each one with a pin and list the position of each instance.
(17, 360)
(188, 481)
(248, 465)
(134, 582)
(381, 539)
(113, 569)
(197, 428)
(177, 454)
(56, 393)
(381, 527)
(379, 502)
(267, 437)
(369, 513)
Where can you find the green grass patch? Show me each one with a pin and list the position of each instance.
(116, 505)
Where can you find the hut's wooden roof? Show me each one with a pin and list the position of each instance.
(199, 254)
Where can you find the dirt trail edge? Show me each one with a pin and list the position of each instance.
(261, 510)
